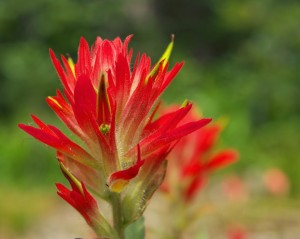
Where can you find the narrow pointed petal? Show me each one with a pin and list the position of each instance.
(122, 80)
(60, 71)
(107, 56)
(83, 65)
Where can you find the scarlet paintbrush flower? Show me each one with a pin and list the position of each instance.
(193, 158)
(111, 108)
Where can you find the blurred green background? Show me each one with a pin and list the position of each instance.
(242, 61)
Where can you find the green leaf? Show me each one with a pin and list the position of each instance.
(136, 230)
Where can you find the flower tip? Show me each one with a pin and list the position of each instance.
(59, 188)
(52, 56)
(83, 45)
(185, 103)
(208, 120)
(172, 37)
(54, 60)
(129, 37)
(21, 126)
(82, 39)
(204, 121)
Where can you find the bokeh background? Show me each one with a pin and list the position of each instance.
(242, 63)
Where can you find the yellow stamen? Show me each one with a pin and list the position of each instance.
(185, 103)
(104, 128)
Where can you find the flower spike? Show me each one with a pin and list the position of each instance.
(111, 107)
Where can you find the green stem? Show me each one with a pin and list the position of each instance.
(117, 215)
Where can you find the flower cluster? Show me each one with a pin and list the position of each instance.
(111, 108)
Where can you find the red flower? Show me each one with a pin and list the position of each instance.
(193, 158)
(110, 108)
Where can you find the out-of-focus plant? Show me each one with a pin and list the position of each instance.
(276, 182)
(190, 164)
(193, 159)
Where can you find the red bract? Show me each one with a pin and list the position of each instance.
(110, 107)
(84, 203)
(79, 198)
(193, 158)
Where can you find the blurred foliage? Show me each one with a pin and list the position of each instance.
(244, 64)
(242, 61)
(15, 217)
